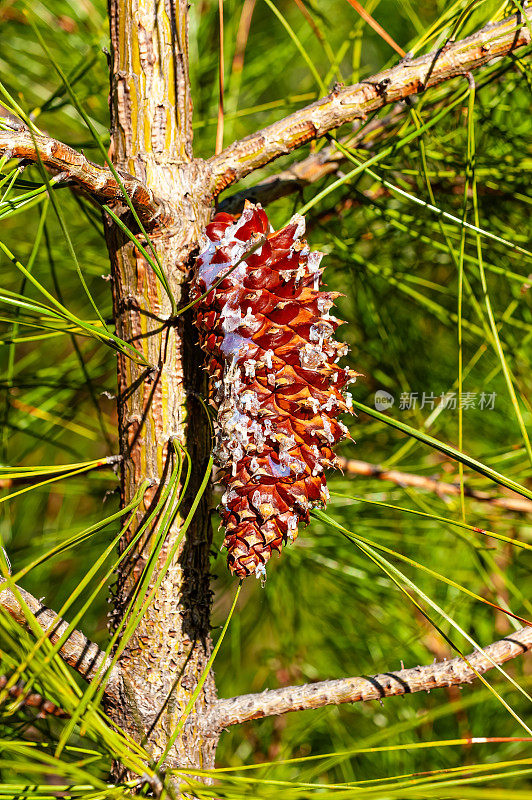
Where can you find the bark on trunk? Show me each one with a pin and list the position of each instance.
(152, 139)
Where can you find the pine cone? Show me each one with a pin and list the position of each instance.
(275, 380)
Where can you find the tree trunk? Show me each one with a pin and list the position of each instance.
(152, 139)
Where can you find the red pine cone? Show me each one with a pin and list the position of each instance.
(275, 379)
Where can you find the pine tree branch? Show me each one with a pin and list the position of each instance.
(342, 105)
(354, 467)
(235, 710)
(99, 182)
(84, 656)
(315, 167)
(33, 700)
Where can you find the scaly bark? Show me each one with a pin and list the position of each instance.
(152, 139)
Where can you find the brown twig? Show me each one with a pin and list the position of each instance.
(235, 710)
(84, 656)
(354, 467)
(376, 27)
(34, 700)
(97, 181)
(342, 105)
(220, 125)
(242, 35)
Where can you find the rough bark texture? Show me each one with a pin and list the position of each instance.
(316, 166)
(151, 139)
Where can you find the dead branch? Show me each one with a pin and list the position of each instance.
(342, 105)
(77, 651)
(354, 467)
(99, 182)
(235, 710)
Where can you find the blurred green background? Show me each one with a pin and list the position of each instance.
(327, 609)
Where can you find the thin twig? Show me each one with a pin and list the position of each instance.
(376, 27)
(354, 467)
(242, 35)
(97, 181)
(235, 710)
(33, 700)
(220, 125)
(342, 105)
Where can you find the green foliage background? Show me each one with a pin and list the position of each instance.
(329, 608)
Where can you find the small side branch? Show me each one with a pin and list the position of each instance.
(44, 707)
(409, 77)
(77, 651)
(235, 710)
(354, 467)
(99, 182)
(313, 168)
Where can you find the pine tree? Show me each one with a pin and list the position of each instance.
(160, 717)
